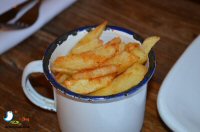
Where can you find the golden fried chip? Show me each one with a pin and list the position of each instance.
(117, 44)
(60, 77)
(91, 45)
(123, 61)
(136, 50)
(149, 43)
(139, 52)
(89, 59)
(130, 78)
(90, 41)
(94, 73)
(130, 46)
(108, 50)
(85, 86)
(74, 62)
(63, 70)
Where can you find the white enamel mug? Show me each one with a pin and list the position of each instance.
(123, 112)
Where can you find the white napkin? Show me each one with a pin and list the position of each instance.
(48, 10)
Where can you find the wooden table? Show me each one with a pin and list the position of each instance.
(176, 22)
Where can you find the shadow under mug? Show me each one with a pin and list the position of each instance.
(123, 112)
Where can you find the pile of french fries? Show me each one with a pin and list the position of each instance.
(99, 69)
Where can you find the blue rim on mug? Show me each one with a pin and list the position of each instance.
(58, 86)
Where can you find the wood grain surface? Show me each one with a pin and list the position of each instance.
(177, 22)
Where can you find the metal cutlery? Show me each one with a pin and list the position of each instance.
(5, 17)
(25, 21)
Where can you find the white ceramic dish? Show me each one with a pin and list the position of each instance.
(179, 96)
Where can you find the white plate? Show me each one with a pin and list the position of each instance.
(179, 95)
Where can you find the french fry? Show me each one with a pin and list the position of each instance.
(143, 50)
(116, 42)
(108, 50)
(63, 70)
(121, 48)
(142, 56)
(123, 61)
(149, 43)
(136, 50)
(94, 73)
(89, 59)
(74, 62)
(130, 78)
(60, 77)
(91, 45)
(85, 86)
(130, 46)
(90, 41)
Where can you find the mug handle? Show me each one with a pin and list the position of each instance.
(30, 92)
